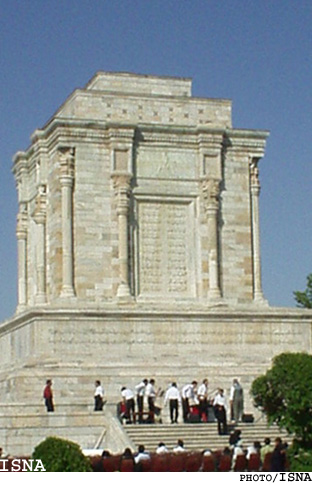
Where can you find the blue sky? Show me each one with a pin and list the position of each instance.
(257, 53)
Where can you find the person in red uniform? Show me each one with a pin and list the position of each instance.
(48, 396)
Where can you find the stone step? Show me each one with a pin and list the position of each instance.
(20, 434)
(198, 436)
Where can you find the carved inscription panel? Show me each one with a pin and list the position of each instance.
(165, 256)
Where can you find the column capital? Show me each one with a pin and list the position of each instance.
(67, 165)
(211, 193)
(21, 226)
(121, 180)
(122, 187)
(39, 213)
(254, 175)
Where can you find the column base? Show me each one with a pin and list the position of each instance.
(21, 308)
(123, 291)
(40, 299)
(214, 294)
(260, 300)
(67, 292)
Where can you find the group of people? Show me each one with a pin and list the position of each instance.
(276, 453)
(145, 395)
(268, 457)
(194, 399)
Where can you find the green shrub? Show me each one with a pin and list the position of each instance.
(59, 455)
(300, 459)
(284, 394)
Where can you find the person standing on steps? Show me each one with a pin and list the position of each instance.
(140, 391)
(236, 401)
(219, 404)
(174, 398)
(150, 393)
(202, 395)
(128, 399)
(48, 396)
(98, 396)
(188, 392)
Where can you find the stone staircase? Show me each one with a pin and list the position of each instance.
(198, 436)
(24, 426)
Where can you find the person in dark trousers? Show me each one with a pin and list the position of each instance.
(48, 396)
(278, 459)
(98, 396)
(174, 398)
(150, 393)
(140, 391)
(219, 405)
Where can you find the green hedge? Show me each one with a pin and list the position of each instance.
(59, 455)
(300, 459)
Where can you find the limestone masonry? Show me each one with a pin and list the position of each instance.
(139, 248)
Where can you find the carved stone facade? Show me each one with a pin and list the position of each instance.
(139, 246)
(138, 191)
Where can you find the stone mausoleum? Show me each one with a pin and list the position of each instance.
(139, 248)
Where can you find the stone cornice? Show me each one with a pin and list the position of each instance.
(249, 314)
(251, 142)
(62, 131)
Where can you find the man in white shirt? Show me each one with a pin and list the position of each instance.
(161, 449)
(140, 391)
(141, 455)
(98, 396)
(220, 407)
(151, 397)
(128, 398)
(174, 398)
(202, 395)
(179, 448)
(188, 392)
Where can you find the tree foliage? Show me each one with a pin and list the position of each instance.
(284, 394)
(304, 298)
(59, 455)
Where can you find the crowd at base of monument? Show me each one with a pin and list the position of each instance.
(267, 458)
(198, 405)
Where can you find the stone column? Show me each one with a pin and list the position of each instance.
(67, 164)
(21, 234)
(211, 191)
(255, 225)
(39, 216)
(121, 181)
